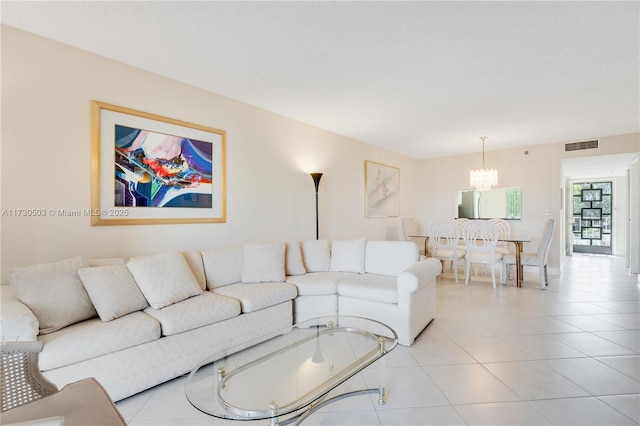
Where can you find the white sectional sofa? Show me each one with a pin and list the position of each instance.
(135, 323)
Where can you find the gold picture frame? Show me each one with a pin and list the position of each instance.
(382, 187)
(148, 169)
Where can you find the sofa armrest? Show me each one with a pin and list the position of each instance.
(17, 322)
(418, 274)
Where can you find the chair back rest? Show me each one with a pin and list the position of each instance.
(503, 227)
(480, 235)
(409, 227)
(22, 381)
(444, 235)
(545, 239)
(460, 223)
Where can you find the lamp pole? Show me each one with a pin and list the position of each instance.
(316, 180)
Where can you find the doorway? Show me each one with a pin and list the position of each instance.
(592, 217)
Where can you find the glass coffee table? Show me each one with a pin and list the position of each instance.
(289, 376)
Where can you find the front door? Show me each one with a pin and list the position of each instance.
(592, 225)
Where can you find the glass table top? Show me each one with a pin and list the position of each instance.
(290, 372)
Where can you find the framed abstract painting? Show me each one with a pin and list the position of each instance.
(149, 169)
(382, 184)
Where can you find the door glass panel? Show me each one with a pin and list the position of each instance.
(592, 221)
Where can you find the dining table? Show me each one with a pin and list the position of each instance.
(518, 243)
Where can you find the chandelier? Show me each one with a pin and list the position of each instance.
(483, 179)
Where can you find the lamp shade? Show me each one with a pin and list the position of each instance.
(316, 179)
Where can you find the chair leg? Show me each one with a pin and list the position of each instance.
(455, 270)
(493, 274)
(544, 277)
(466, 272)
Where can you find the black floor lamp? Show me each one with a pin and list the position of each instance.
(316, 180)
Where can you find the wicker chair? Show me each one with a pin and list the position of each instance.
(27, 396)
(22, 381)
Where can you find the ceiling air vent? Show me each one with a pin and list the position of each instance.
(577, 146)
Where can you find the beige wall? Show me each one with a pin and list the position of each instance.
(537, 173)
(47, 89)
(45, 163)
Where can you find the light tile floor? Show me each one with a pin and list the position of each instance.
(568, 355)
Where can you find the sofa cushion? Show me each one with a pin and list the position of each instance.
(263, 262)
(198, 311)
(93, 338)
(318, 283)
(112, 290)
(254, 297)
(17, 322)
(164, 278)
(53, 292)
(312, 307)
(316, 255)
(223, 266)
(390, 257)
(194, 260)
(348, 255)
(376, 288)
(293, 263)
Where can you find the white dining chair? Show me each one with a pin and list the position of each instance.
(505, 232)
(410, 231)
(460, 223)
(537, 258)
(444, 241)
(480, 238)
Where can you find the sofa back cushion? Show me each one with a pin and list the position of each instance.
(164, 278)
(113, 291)
(54, 293)
(263, 263)
(293, 263)
(223, 266)
(194, 260)
(390, 257)
(316, 255)
(348, 255)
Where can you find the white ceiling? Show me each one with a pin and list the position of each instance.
(597, 167)
(424, 79)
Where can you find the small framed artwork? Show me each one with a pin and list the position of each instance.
(382, 184)
(149, 169)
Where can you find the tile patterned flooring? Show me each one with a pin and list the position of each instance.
(568, 355)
